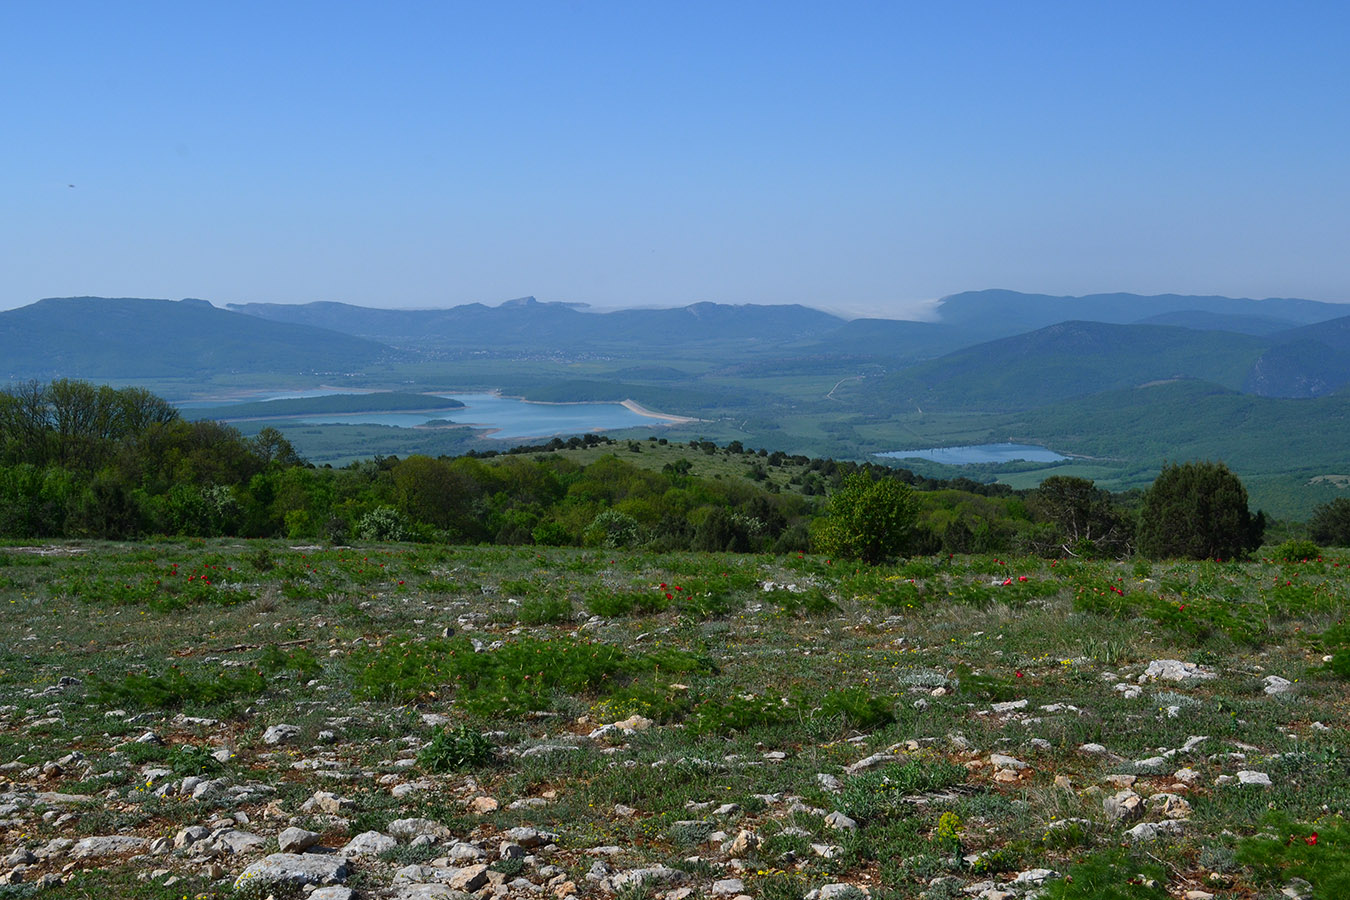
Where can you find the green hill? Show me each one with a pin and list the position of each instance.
(1071, 359)
(117, 338)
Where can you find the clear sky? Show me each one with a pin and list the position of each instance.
(852, 156)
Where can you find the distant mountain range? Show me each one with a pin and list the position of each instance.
(527, 324)
(123, 338)
(999, 348)
(1273, 348)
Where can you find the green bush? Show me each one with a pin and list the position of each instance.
(1297, 551)
(456, 748)
(867, 520)
(856, 708)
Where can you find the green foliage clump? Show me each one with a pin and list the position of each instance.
(177, 688)
(612, 529)
(604, 602)
(879, 794)
(867, 520)
(1198, 510)
(1297, 551)
(740, 713)
(1110, 875)
(516, 678)
(455, 748)
(1319, 853)
(544, 611)
(857, 708)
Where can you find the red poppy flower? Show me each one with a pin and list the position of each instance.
(1311, 839)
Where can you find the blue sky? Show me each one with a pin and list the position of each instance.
(865, 157)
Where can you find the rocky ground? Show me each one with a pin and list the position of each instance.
(1005, 780)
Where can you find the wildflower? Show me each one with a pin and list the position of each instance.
(1311, 839)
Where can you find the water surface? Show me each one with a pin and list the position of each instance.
(978, 453)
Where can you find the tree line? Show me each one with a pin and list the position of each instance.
(83, 460)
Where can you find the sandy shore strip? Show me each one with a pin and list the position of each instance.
(634, 406)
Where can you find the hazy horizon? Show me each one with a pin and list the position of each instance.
(863, 158)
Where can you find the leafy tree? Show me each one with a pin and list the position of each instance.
(1085, 519)
(867, 520)
(1198, 510)
(1330, 523)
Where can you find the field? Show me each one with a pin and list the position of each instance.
(566, 722)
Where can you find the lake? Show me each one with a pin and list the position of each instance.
(509, 417)
(979, 453)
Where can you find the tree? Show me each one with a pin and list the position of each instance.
(1086, 521)
(1198, 510)
(867, 520)
(1330, 523)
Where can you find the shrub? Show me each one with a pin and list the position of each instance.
(455, 748)
(614, 530)
(1297, 551)
(867, 520)
(856, 708)
(384, 523)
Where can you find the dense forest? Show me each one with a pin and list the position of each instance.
(83, 460)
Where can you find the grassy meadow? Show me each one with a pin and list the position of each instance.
(973, 719)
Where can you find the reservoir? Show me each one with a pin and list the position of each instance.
(979, 453)
(506, 417)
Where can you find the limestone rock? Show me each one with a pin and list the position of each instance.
(871, 762)
(407, 829)
(1150, 831)
(296, 840)
(1176, 670)
(280, 734)
(1000, 761)
(470, 878)
(840, 821)
(107, 845)
(369, 843)
(295, 869)
(1124, 805)
(1277, 685)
